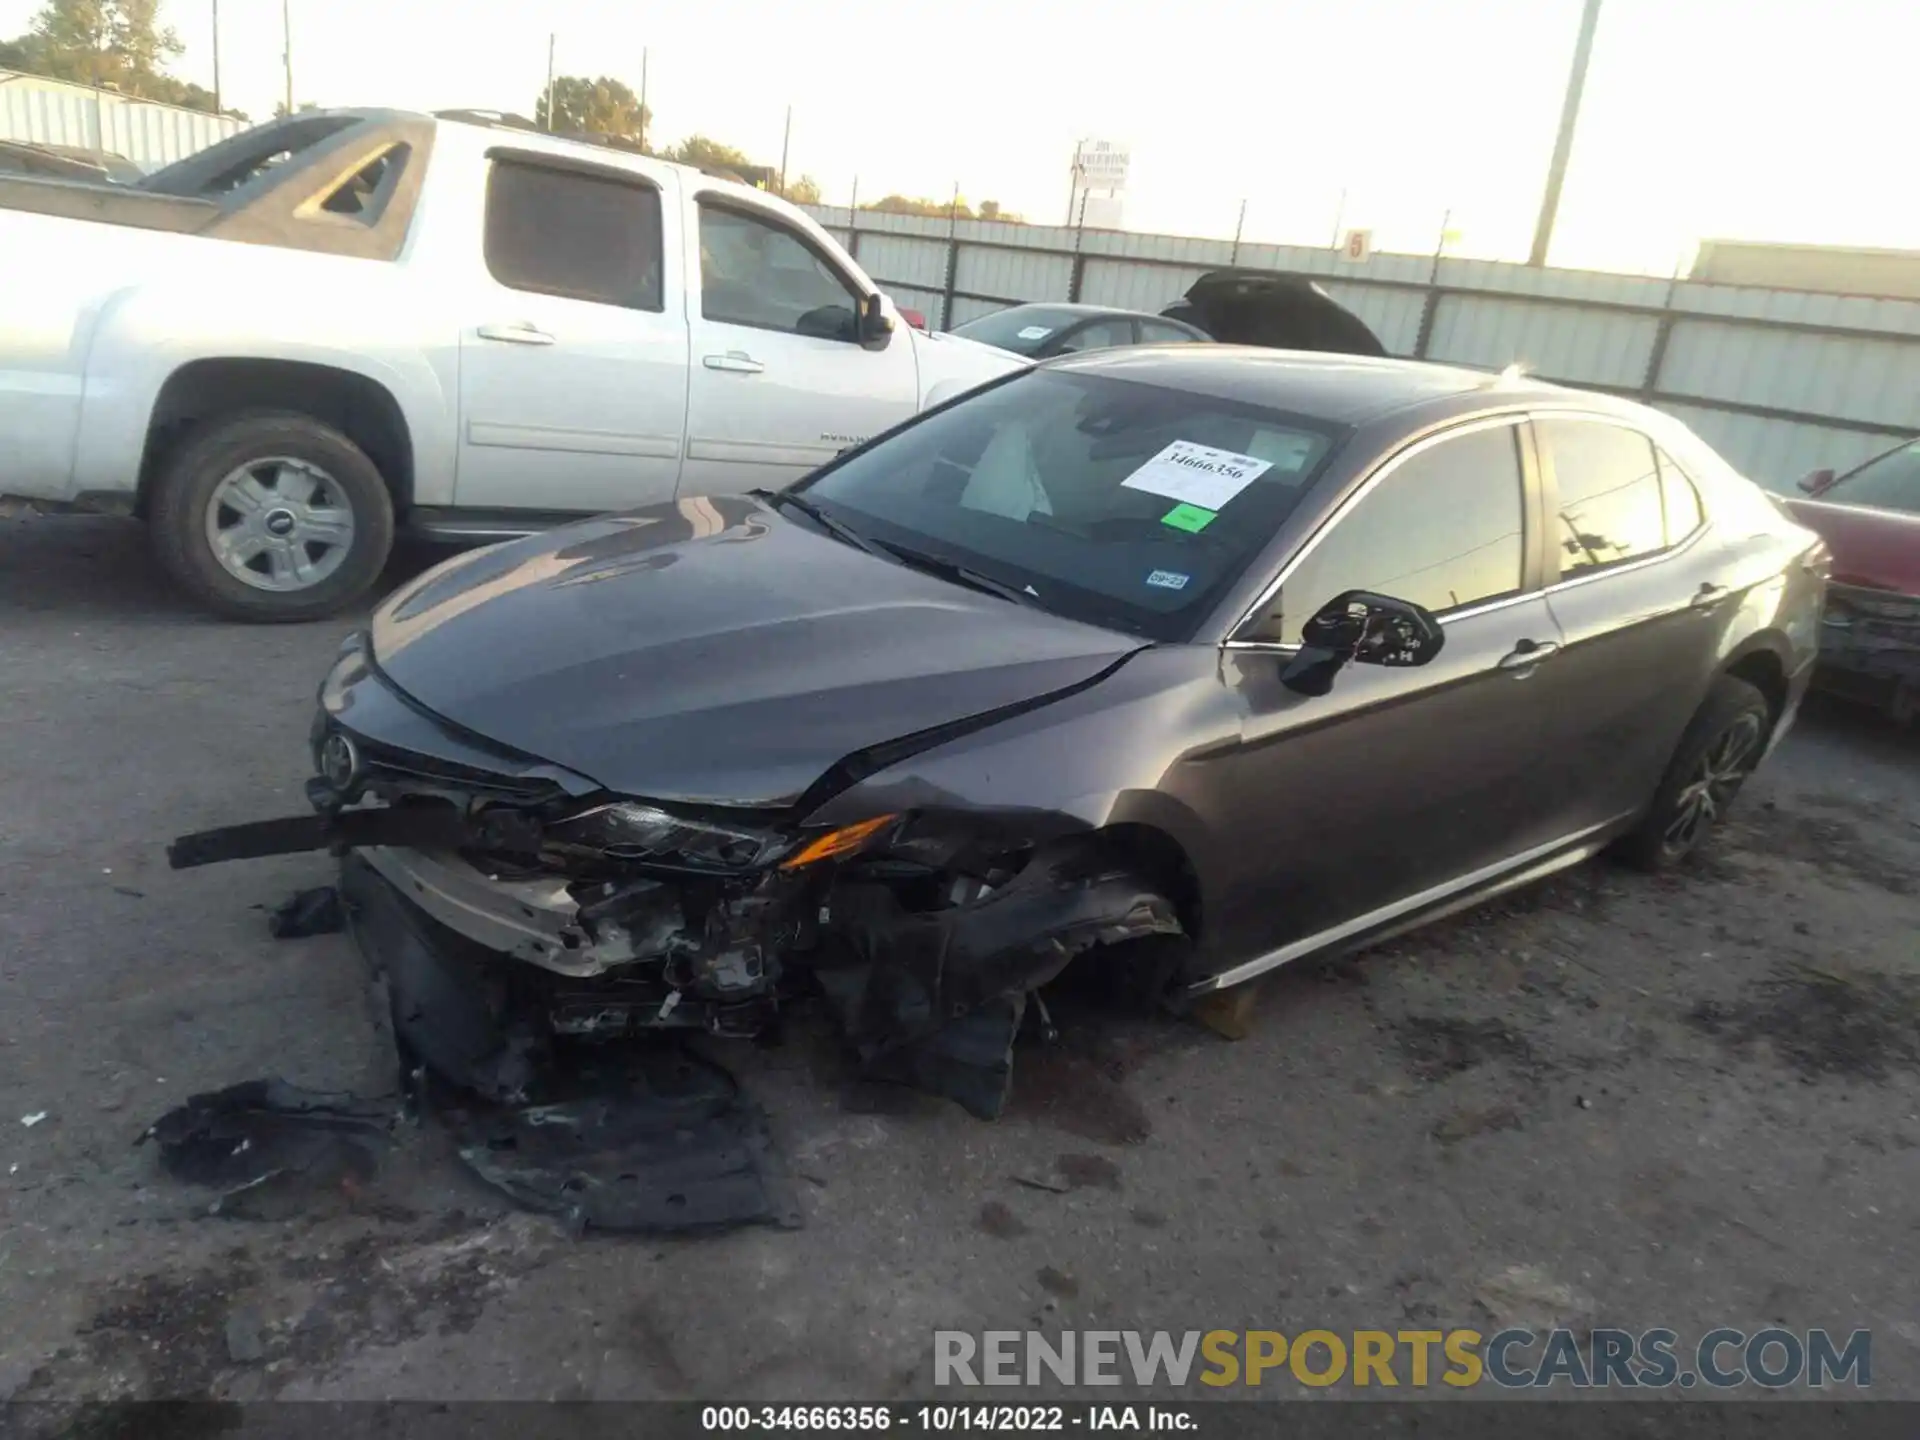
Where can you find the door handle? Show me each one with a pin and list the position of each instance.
(1707, 596)
(1527, 654)
(520, 334)
(738, 361)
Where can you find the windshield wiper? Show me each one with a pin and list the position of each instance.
(838, 529)
(960, 574)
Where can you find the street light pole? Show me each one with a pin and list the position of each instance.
(216, 57)
(786, 135)
(1563, 143)
(286, 56)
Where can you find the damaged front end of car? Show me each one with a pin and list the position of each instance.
(1870, 643)
(508, 905)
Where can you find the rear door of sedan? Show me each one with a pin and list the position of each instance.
(1400, 785)
(1635, 579)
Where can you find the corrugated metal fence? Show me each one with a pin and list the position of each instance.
(1780, 382)
(52, 112)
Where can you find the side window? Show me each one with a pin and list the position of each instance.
(561, 232)
(1101, 335)
(754, 272)
(1443, 529)
(1610, 505)
(364, 194)
(1158, 332)
(1681, 499)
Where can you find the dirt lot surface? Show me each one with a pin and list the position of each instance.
(1610, 1099)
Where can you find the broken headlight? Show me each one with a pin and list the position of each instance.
(629, 831)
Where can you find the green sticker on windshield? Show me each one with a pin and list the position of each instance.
(1188, 517)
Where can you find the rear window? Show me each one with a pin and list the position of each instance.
(1024, 329)
(562, 232)
(1107, 500)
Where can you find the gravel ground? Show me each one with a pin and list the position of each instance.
(1686, 1102)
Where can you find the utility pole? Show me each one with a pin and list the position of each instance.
(286, 30)
(550, 38)
(1563, 143)
(1339, 216)
(785, 136)
(1073, 187)
(643, 97)
(1238, 226)
(216, 57)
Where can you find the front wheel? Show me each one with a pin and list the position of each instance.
(1722, 744)
(272, 517)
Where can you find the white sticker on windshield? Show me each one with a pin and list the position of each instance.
(1036, 332)
(1197, 474)
(1168, 580)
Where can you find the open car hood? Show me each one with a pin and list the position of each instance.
(1278, 311)
(715, 651)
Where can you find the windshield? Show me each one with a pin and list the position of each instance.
(1123, 504)
(1890, 483)
(1023, 329)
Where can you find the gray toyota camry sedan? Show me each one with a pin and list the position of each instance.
(1183, 662)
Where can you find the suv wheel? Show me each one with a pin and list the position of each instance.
(272, 517)
(1721, 746)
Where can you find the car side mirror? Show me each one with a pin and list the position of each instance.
(1361, 628)
(1818, 481)
(876, 326)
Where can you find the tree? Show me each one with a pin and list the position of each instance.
(804, 191)
(103, 42)
(603, 106)
(904, 205)
(280, 111)
(990, 210)
(709, 155)
(116, 43)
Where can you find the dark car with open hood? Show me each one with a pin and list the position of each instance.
(1176, 663)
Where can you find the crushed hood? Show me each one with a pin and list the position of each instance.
(713, 651)
(1279, 311)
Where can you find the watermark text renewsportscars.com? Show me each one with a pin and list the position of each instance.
(1513, 1359)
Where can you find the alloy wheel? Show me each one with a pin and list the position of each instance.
(280, 524)
(1713, 782)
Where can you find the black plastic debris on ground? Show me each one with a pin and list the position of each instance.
(630, 1138)
(307, 912)
(272, 1148)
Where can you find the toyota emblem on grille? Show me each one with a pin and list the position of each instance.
(339, 761)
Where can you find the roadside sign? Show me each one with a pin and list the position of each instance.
(1101, 164)
(1358, 246)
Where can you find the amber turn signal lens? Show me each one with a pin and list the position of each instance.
(835, 843)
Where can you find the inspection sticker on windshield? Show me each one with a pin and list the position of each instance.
(1168, 579)
(1188, 517)
(1199, 475)
(1036, 332)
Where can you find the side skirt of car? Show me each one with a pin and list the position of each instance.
(1431, 904)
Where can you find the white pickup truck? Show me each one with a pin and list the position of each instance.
(284, 348)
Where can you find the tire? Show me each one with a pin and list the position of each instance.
(1722, 744)
(247, 516)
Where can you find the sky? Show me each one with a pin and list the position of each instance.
(1786, 120)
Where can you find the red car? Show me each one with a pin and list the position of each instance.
(1870, 519)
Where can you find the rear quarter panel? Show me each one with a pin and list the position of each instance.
(181, 298)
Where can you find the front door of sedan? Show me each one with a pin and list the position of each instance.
(1346, 809)
(1637, 581)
